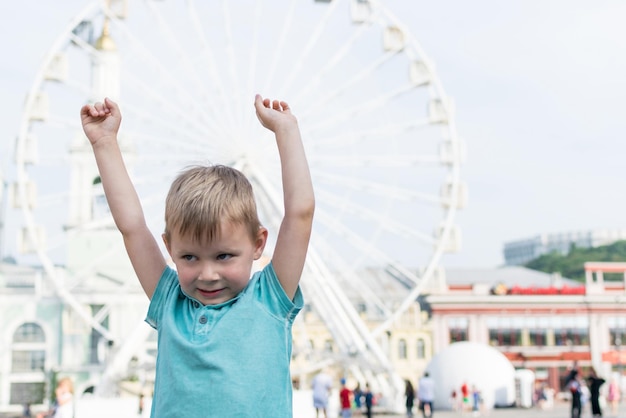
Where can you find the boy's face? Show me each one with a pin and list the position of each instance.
(216, 271)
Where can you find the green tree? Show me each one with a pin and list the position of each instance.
(572, 264)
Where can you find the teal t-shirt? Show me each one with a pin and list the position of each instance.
(226, 360)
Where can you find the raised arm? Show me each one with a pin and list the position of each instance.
(295, 230)
(101, 122)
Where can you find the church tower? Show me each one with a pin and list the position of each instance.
(95, 247)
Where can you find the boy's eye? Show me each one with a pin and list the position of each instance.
(188, 257)
(224, 256)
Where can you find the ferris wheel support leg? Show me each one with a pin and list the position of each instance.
(117, 364)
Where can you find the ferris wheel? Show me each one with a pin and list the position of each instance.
(378, 129)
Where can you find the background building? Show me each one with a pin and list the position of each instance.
(543, 326)
(521, 251)
(43, 338)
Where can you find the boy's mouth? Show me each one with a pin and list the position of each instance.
(210, 294)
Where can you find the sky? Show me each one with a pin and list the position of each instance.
(539, 91)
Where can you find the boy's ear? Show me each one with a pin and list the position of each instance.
(167, 244)
(261, 240)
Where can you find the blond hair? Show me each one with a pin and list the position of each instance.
(64, 385)
(202, 197)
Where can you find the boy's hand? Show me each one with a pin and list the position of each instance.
(100, 120)
(274, 115)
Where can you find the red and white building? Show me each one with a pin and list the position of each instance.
(540, 322)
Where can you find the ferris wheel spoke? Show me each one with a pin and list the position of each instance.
(338, 310)
(382, 132)
(346, 272)
(214, 73)
(78, 87)
(332, 63)
(280, 44)
(385, 223)
(253, 59)
(80, 43)
(202, 126)
(179, 135)
(365, 73)
(408, 233)
(233, 62)
(365, 247)
(52, 199)
(93, 224)
(181, 147)
(271, 197)
(308, 47)
(171, 37)
(374, 103)
(51, 158)
(166, 71)
(61, 122)
(378, 189)
(378, 161)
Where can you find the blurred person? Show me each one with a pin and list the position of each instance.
(595, 383)
(476, 400)
(63, 405)
(369, 400)
(426, 395)
(321, 385)
(614, 395)
(575, 388)
(465, 398)
(358, 398)
(345, 400)
(409, 395)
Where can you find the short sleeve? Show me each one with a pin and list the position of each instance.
(168, 283)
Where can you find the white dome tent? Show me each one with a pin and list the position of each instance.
(477, 365)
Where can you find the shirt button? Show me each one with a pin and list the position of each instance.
(203, 319)
(196, 304)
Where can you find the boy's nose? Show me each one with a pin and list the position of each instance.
(209, 272)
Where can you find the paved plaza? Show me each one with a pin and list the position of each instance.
(126, 408)
(560, 410)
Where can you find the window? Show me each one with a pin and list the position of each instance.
(458, 329)
(537, 337)
(569, 331)
(617, 331)
(28, 361)
(402, 349)
(421, 349)
(29, 333)
(23, 393)
(538, 331)
(97, 343)
(28, 349)
(505, 331)
(28, 356)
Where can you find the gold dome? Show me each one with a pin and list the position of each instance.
(105, 42)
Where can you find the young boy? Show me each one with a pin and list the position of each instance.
(224, 338)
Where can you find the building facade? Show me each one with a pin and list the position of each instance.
(43, 338)
(543, 327)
